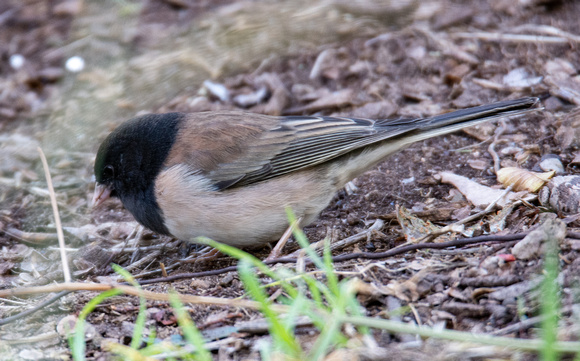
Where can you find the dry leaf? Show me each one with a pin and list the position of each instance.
(413, 227)
(522, 179)
(476, 194)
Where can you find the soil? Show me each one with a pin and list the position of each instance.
(438, 57)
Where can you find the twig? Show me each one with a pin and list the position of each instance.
(148, 258)
(487, 209)
(138, 233)
(319, 62)
(34, 238)
(447, 47)
(434, 215)
(415, 314)
(513, 38)
(473, 145)
(484, 83)
(159, 270)
(40, 306)
(491, 148)
(283, 240)
(549, 30)
(157, 247)
(451, 335)
(520, 326)
(185, 352)
(130, 290)
(335, 246)
(32, 340)
(58, 225)
(7, 300)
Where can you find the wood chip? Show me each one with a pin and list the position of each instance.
(333, 100)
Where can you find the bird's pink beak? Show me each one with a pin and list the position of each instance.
(102, 193)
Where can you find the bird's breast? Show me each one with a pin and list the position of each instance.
(246, 216)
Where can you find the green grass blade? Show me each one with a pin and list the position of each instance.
(77, 341)
(139, 328)
(534, 345)
(314, 287)
(550, 302)
(190, 332)
(329, 335)
(284, 340)
(332, 278)
(300, 237)
(296, 307)
(241, 255)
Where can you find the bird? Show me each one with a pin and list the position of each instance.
(231, 175)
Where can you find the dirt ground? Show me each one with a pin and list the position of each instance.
(364, 59)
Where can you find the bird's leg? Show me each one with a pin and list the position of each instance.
(210, 255)
(206, 254)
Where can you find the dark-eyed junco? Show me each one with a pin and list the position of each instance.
(230, 175)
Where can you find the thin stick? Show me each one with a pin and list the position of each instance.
(517, 38)
(129, 290)
(59, 232)
(338, 245)
(283, 240)
(491, 148)
(547, 29)
(35, 238)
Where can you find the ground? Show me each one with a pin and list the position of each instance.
(365, 59)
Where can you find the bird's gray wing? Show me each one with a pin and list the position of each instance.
(262, 147)
(301, 142)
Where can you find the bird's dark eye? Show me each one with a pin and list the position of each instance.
(108, 172)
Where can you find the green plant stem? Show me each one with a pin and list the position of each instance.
(451, 335)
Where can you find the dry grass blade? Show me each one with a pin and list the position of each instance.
(513, 38)
(59, 232)
(129, 290)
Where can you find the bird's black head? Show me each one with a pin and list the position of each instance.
(131, 157)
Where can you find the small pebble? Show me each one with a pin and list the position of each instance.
(511, 150)
(217, 90)
(246, 100)
(75, 64)
(66, 325)
(30, 355)
(226, 280)
(16, 61)
(551, 162)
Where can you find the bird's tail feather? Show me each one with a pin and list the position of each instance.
(417, 130)
(463, 118)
